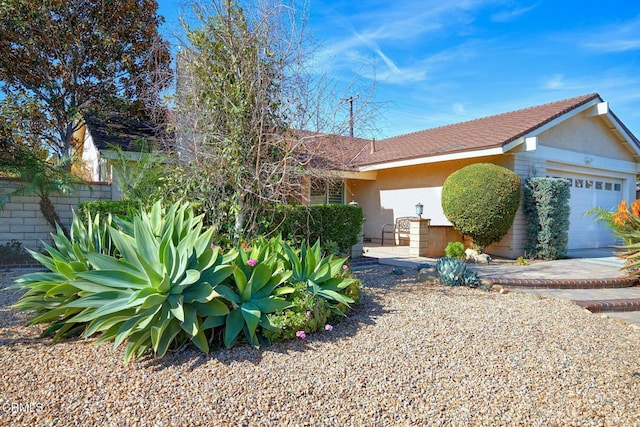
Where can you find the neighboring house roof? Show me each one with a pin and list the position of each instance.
(124, 132)
(329, 151)
(500, 131)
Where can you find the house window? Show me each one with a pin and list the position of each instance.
(579, 183)
(326, 192)
(598, 185)
(617, 187)
(607, 186)
(589, 184)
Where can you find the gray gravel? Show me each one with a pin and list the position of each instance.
(410, 355)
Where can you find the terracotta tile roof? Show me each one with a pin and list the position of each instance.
(483, 133)
(333, 152)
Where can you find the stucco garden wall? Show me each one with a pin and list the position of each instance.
(22, 220)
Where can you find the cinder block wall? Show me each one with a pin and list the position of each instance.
(22, 220)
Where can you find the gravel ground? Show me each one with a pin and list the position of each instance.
(409, 355)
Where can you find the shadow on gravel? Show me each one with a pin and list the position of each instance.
(363, 314)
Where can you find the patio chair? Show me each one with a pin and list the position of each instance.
(400, 229)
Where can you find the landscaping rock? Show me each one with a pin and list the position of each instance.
(486, 283)
(428, 276)
(470, 255)
(473, 256)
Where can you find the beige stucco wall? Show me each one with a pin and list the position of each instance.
(585, 134)
(368, 194)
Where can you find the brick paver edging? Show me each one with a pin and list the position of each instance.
(600, 306)
(617, 282)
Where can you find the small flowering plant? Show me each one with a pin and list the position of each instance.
(625, 223)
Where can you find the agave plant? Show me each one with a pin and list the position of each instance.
(48, 293)
(321, 274)
(158, 291)
(451, 271)
(257, 273)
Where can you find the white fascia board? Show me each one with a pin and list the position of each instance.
(598, 162)
(433, 159)
(444, 157)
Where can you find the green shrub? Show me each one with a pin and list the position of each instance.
(13, 253)
(338, 227)
(546, 205)
(308, 313)
(123, 208)
(481, 201)
(455, 250)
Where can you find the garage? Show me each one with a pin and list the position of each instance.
(590, 191)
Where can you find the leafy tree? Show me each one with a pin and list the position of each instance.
(233, 123)
(37, 175)
(243, 87)
(68, 57)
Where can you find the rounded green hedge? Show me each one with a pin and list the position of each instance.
(481, 201)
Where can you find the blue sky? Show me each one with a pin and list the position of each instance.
(439, 62)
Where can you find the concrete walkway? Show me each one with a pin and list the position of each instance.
(593, 279)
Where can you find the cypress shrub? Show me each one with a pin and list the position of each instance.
(481, 201)
(546, 205)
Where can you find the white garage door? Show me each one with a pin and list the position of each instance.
(588, 192)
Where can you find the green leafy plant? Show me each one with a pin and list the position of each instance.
(338, 227)
(156, 281)
(522, 261)
(321, 274)
(257, 272)
(455, 250)
(308, 313)
(481, 201)
(49, 293)
(13, 252)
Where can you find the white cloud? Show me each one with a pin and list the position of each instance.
(557, 81)
(615, 38)
(459, 109)
(512, 14)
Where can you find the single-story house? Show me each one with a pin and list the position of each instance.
(579, 139)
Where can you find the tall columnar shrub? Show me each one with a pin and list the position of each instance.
(481, 201)
(546, 205)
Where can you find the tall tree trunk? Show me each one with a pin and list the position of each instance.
(50, 214)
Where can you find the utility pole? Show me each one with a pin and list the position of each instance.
(350, 101)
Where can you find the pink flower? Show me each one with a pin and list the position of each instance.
(308, 313)
(345, 267)
(213, 246)
(328, 327)
(301, 335)
(252, 262)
